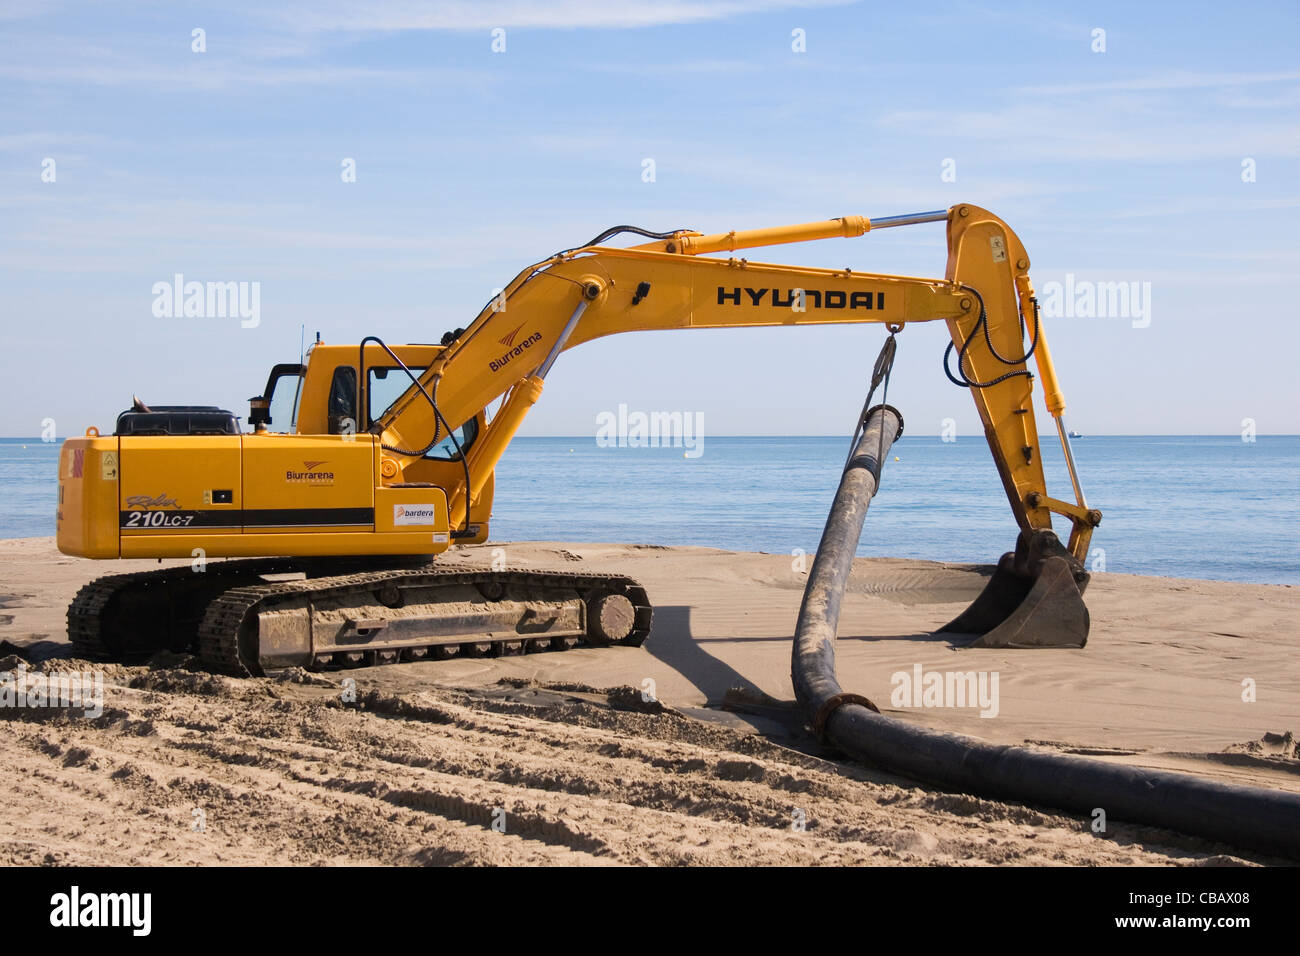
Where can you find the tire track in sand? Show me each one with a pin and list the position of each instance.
(283, 773)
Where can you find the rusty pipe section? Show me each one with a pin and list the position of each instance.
(1264, 820)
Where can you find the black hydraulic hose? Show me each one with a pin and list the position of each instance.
(1264, 820)
(438, 420)
(965, 381)
(613, 231)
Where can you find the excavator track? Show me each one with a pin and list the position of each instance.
(125, 617)
(390, 616)
(239, 622)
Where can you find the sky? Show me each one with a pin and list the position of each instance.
(1155, 144)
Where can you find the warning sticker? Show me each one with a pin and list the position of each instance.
(108, 466)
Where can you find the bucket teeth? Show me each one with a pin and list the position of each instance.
(1034, 599)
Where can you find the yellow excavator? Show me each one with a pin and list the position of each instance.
(382, 457)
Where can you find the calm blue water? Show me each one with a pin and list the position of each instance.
(1205, 507)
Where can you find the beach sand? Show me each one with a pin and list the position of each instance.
(184, 767)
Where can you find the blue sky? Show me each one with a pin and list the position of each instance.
(1123, 165)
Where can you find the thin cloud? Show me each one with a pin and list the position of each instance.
(230, 75)
(1042, 132)
(1164, 81)
(463, 15)
(25, 142)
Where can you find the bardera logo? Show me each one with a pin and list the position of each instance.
(651, 430)
(514, 353)
(798, 299)
(310, 475)
(415, 514)
(73, 909)
(918, 688)
(509, 340)
(1097, 300)
(208, 300)
(80, 690)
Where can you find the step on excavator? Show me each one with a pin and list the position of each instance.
(364, 462)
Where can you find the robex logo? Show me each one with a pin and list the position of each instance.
(150, 501)
(799, 300)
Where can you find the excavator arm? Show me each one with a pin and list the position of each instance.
(985, 298)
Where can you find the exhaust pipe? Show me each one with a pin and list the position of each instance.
(1263, 820)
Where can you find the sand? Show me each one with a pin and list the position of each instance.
(556, 758)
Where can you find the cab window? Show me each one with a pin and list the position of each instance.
(384, 388)
(284, 392)
(446, 451)
(343, 401)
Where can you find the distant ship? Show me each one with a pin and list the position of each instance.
(1075, 435)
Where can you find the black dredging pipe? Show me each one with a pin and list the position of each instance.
(1264, 820)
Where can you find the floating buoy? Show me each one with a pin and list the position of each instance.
(896, 458)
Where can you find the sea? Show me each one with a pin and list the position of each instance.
(1213, 507)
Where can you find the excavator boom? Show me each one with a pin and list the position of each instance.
(985, 298)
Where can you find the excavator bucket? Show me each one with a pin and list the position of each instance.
(1034, 599)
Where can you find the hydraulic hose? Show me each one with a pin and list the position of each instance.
(1254, 817)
